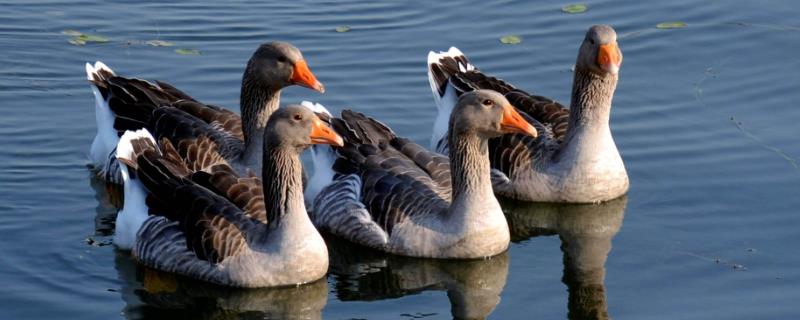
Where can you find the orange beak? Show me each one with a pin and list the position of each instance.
(609, 58)
(303, 76)
(513, 122)
(321, 133)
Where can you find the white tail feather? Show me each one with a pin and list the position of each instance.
(125, 148)
(134, 210)
(106, 138)
(446, 105)
(434, 58)
(446, 100)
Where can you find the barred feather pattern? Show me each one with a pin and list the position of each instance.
(166, 249)
(214, 228)
(339, 210)
(397, 179)
(177, 126)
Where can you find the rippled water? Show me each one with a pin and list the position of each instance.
(705, 117)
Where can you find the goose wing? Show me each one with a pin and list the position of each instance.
(200, 143)
(135, 102)
(185, 207)
(381, 181)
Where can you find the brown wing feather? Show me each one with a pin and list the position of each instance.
(134, 103)
(228, 121)
(247, 193)
(214, 227)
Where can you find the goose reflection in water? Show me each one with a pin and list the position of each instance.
(586, 232)
(473, 286)
(109, 201)
(150, 293)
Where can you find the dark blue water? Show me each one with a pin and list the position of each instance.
(705, 117)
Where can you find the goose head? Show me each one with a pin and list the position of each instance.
(488, 114)
(280, 64)
(297, 127)
(599, 52)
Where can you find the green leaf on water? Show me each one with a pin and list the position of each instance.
(159, 43)
(511, 39)
(574, 8)
(190, 52)
(672, 25)
(72, 33)
(341, 29)
(93, 38)
(80, 39)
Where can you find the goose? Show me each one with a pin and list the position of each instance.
(221, 227)
(575, 158)
(393, 195)
(123, 104)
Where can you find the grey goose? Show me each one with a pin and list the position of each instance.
(123, 104)
(574, 159)
(393, 195)
(217, 225)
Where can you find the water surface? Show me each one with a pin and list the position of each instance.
(705, 118)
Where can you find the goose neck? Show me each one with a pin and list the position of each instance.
(469, 166)
(592, 93)
(282, 185)
(258, 102)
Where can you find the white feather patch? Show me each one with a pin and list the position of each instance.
(322, 157)
(316, 107)
(134, 211)
(445, 108)
(447, 99)
(125, 148)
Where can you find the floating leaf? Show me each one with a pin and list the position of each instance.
(159, 43)
(73, 33)
(93, 38)
(77, 41)
(672, 25)
(574, 8)
(342, 29)
(511, 39)
(187, 51)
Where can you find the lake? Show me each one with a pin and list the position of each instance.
(705, 117)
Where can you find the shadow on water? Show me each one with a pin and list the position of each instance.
(473, 286)
(150, 294)
(586, 232)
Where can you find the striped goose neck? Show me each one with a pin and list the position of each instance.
(283, 186)
(469, 165)
(257, 102)
(591, 99)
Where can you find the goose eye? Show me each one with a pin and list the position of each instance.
(282, 58)
(591, 40)
(487, 103)
(298, 117)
